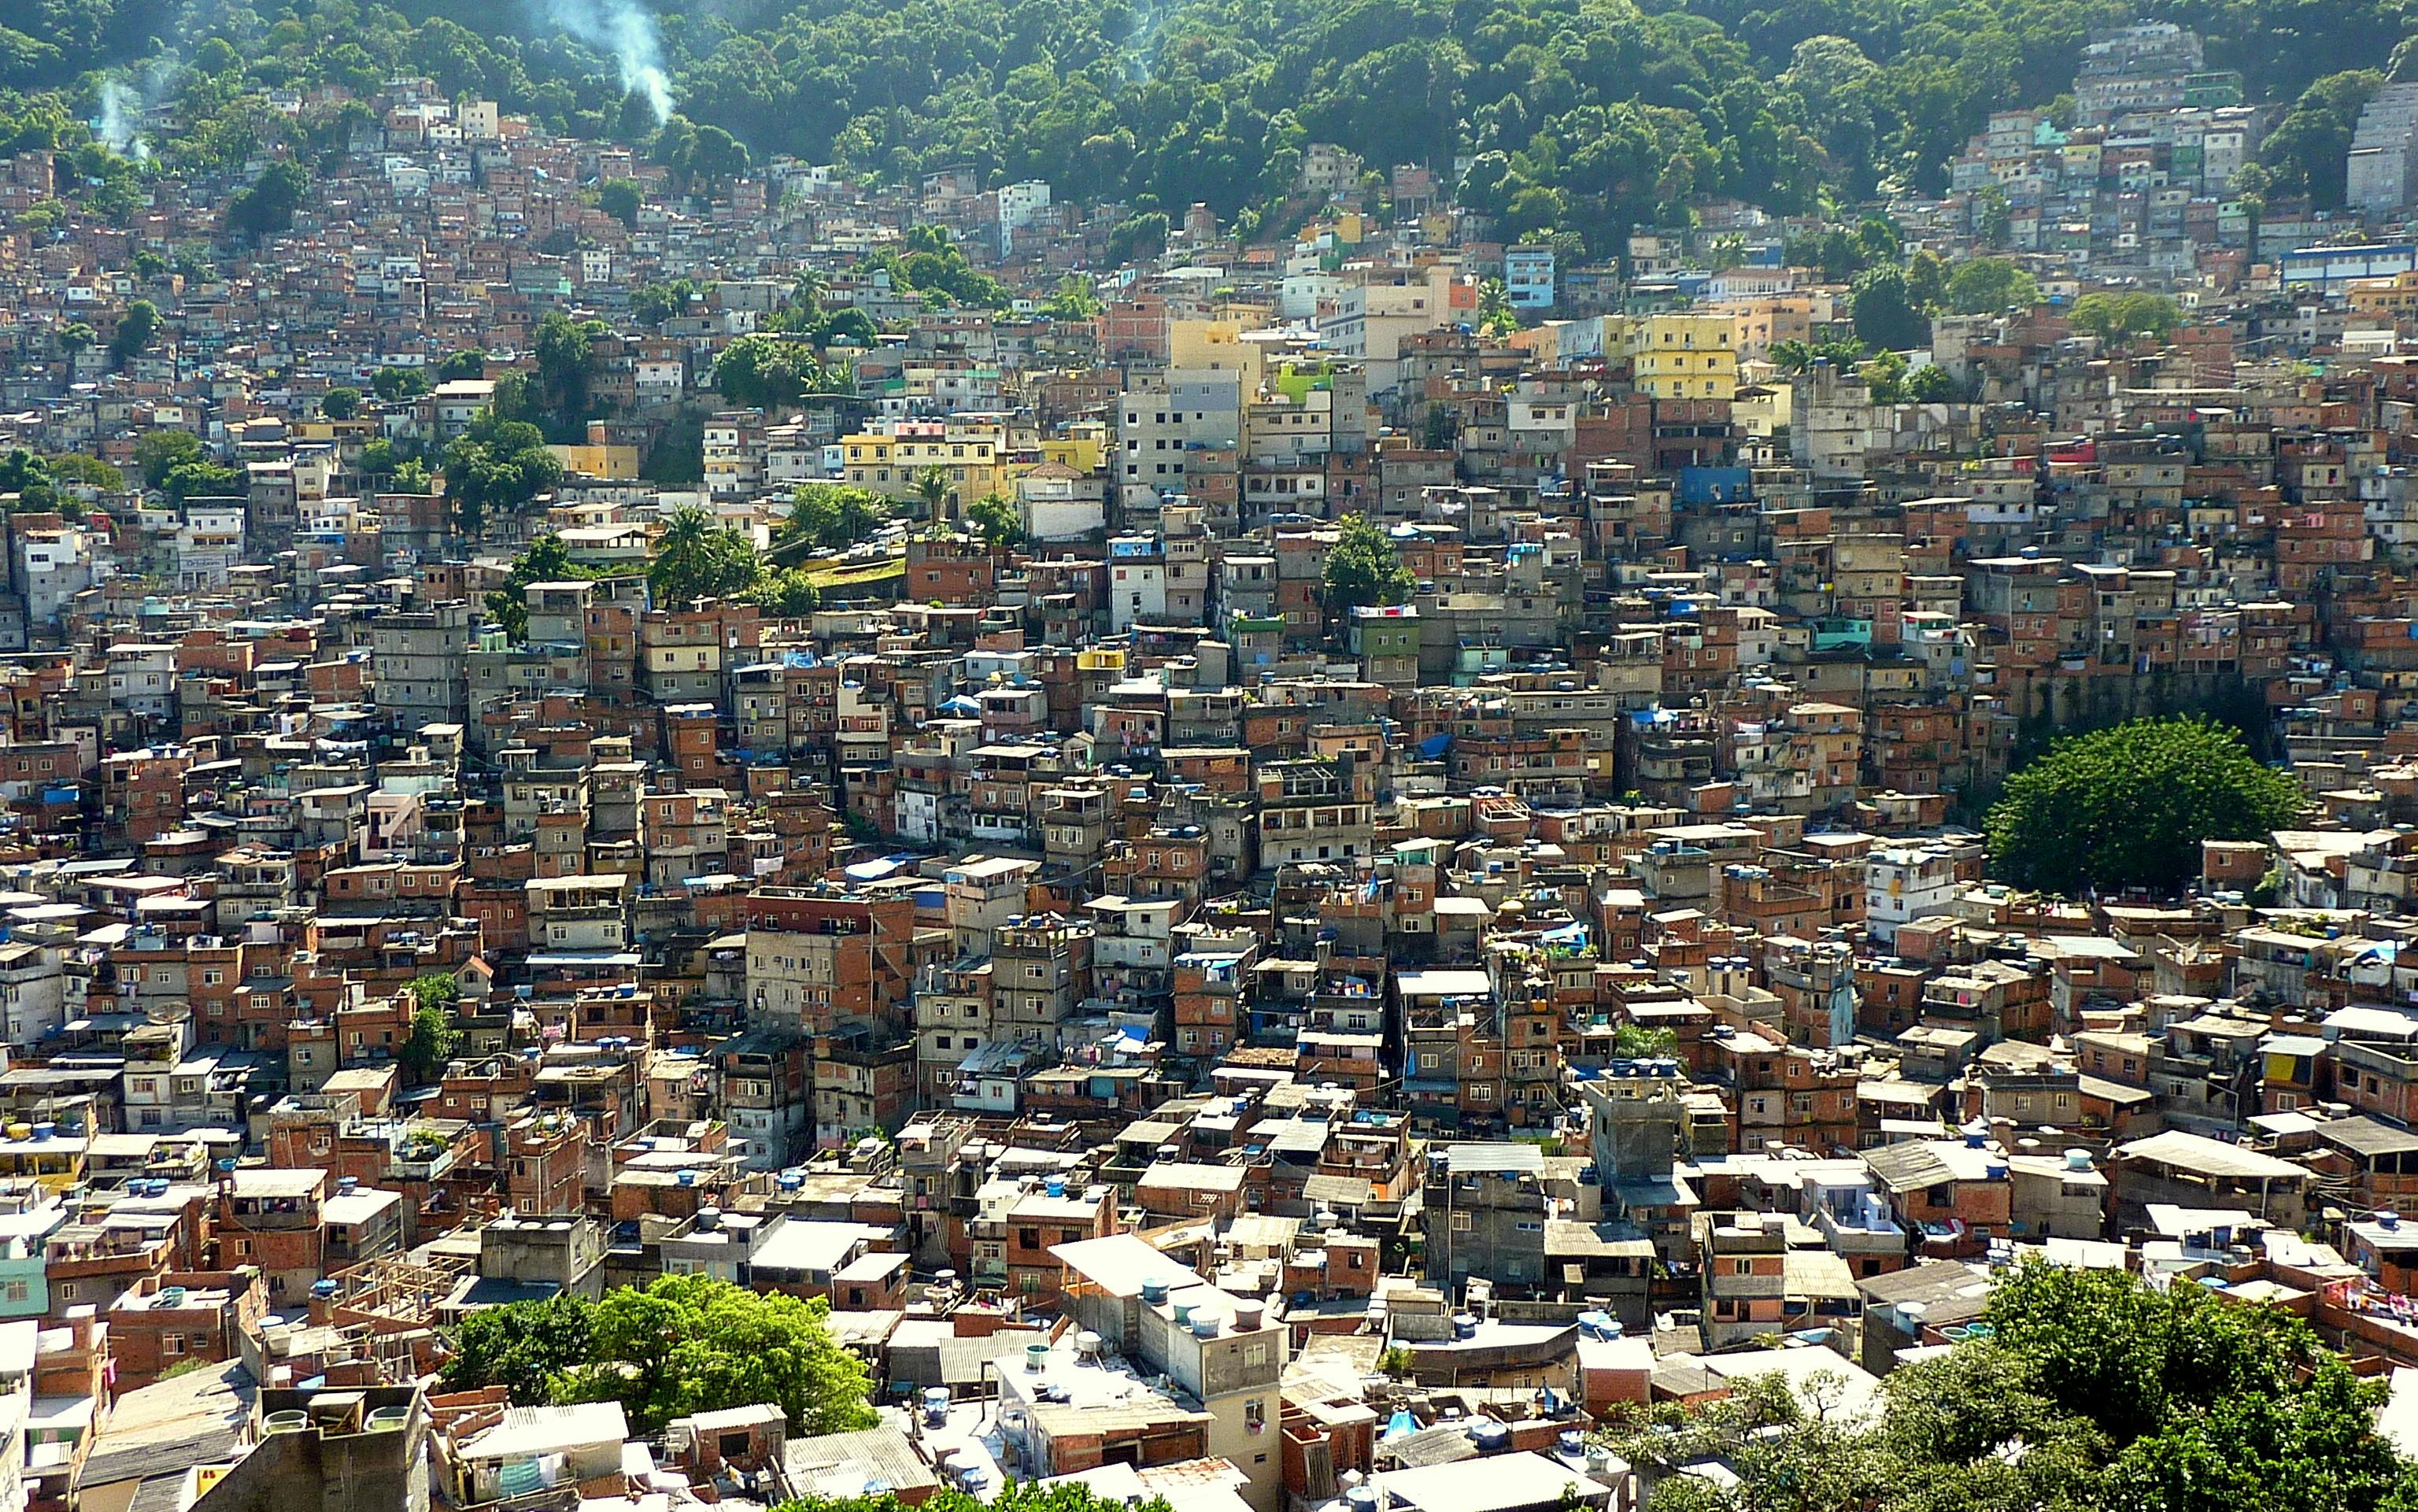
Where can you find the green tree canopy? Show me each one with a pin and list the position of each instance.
(997, 520)
(785, 593)
(2129, 807)
(500, 464)
(341, 403)
(268, 206)
(696, 559)
(435, 1036)
(2306, 152)
(1884, 312)
(684, 1344)
(1015, 1496)
(621, 198)
(1984, 285)
(768, 372)
(546, 560)
(135, 329)
(2094, 1393)
(2114, 317)
(158, 453)
(1363, 568)
(831, 516)
(395, 385)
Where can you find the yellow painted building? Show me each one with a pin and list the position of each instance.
(615, 463)
(976, 458)
(2396, 296)
(973, 457)
(1682, 355)
(1214, 346)
(1084, 454)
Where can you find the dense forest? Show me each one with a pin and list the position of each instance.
(1579, 118)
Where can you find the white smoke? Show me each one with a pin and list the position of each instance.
(122, 112)
(626, 30)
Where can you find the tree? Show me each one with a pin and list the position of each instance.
(831, 517)
(1495, 317)
(1884, 316)
(341, 403)
(1984, 285)
(2305, 153)
(2093, 1391)
(434, 1038)
(135, 329)
(75, 337)
(621, 198)
(456, 366)
(1363, 568)
(1993, 218)
(932, 487)
(1072, 301)
(564, 351)
(499, 465)
(2115, 317)
(526, 1347)
(1015, 1496)
(25, 481)
(89, 471)
(546, 560)
(1636, 1042)
(691, 1344)
(158, 453)
(1137, 239)
(200, 479)
(1931, 384)
(2128, 806)
(997, 520)
(268, 207)
(395, 385)
(1884, 377)
(703, 156)
(696, 559)
(787, 594)
(1927, 282)
(767, 372)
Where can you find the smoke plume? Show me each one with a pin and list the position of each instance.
(627, 30)
(122, 112)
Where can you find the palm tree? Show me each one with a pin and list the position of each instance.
(932, 487)
(695, 557)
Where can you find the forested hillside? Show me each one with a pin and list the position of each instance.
(1581, 115)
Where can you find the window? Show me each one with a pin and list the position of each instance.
(1742, 1267)
(1255, 1415)
(1461, 1223)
